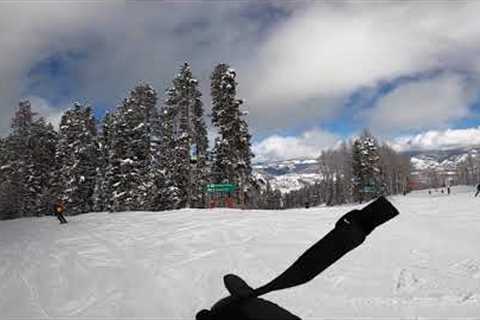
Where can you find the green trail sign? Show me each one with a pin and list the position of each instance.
(369, 189)
(224, 187)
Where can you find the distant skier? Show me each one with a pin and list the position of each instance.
(448, 190)
(478, 190)
(58, 209)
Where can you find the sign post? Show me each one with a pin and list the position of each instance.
(222, 191)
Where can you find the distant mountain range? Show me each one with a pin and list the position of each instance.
(446, 160)
(288, 175)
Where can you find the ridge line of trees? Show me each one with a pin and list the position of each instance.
(142, 156)
(154, 156)
(357, 171)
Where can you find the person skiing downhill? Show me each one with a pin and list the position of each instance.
(58, 209)
(478, 190)
(349, 232)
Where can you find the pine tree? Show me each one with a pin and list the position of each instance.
(4, 170)
(102, 192)
(19, 163)
(232, 151)
(225, 116)
(27, 158)
(357, 170)
(200, 140)
(129, 159)
(77, 159)
(245, 167)
(184, 110)
(368, 182)
(164, 193)
(43, 148)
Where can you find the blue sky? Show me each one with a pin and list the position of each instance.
(311, 72)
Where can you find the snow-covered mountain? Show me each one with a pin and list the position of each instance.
(293, 174)
(289, 175)
(445, 160)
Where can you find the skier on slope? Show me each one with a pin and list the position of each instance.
(58, 209)
(350, 231)
(478, 190)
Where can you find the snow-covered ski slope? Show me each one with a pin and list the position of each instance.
(423, 264)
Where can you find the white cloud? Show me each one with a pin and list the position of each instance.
(44, 109)
(298, 71)
(307, 145)
(438, 140)
(328, 50)
(118, 44)
(422, 104)
(30, 33)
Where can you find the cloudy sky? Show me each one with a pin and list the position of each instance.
(311, 72)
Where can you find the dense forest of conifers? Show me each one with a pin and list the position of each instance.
(147, 155)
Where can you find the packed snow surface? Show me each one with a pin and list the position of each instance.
(168, 265)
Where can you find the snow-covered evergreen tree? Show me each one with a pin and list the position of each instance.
(77, 159)
(102, 192)
(232, 151)
(245, 166)
(27, 159)
(367, 176)
(225, 116)
(129, 159)
(164, 194)
(19, 163)
(4, 177)
(43, 148)
(184, 109)
(200, 140)
(3, 190)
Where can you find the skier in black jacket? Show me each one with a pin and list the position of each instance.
(350, 231)
(478, 190)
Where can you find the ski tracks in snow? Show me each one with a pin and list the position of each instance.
(425, 263)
